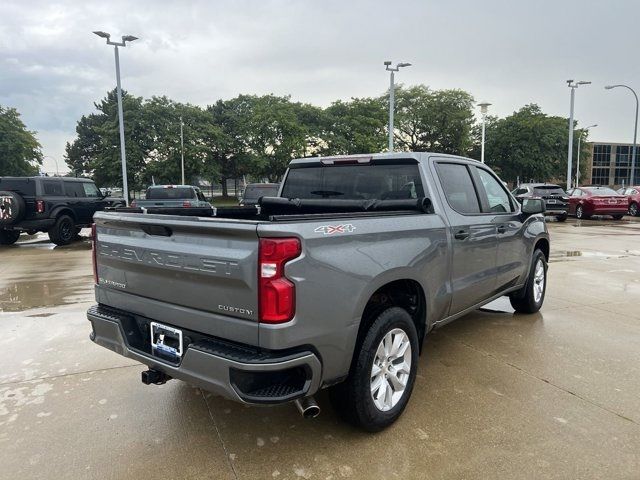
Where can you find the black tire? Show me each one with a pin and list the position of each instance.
(9, 237)
(12, 208)
(617, 217)
(353, 399)
(526, 299)
(63, 231)
(562, 217)
(580, 213)
(634, 211)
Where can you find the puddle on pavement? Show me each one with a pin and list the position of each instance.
(562, 255)
(24, 295)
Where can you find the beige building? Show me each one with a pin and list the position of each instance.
(610, 164)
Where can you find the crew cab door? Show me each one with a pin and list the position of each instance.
(473, 237)
(500, 210)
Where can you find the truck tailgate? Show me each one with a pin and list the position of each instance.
(206, 266)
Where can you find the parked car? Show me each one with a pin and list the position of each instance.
(172, 196)
(633, 195)
(596, 200)
(253, 192)
(555, 198)
(60, 206)
(315, 291)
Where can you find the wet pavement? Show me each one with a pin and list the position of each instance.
(498, 395)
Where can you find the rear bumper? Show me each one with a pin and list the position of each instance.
(621, 210)
(237, 372)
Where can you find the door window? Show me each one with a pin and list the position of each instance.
(497, 196)
(91, 190)
(458, 187)
(74, 189)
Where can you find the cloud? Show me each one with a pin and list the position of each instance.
(508, 53)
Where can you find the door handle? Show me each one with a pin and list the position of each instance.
(502, 228)
(461, 235)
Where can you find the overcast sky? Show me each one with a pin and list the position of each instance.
(509, 53)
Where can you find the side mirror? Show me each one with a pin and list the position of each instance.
(531, 206)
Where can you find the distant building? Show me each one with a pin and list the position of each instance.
(610, 164)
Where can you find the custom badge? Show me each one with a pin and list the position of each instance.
(334, 229)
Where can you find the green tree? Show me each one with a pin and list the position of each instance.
(528, 144)
(433, 120)
(20, 151)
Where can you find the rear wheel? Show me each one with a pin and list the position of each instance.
(580, 213)
(382, 375)
(531, 297)
(63, 230)
(9, 237)
(633, 209)
(617, 217)
(562, 217)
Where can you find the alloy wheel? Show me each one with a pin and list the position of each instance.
(391, 369)
(538, 281)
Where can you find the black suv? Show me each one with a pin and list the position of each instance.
(59, 206)
(555, 198)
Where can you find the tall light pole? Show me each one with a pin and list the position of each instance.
(582, 130)
(123, 154)
(182, 149)
(483, 110)
(56, 161)
(572, 85)
(635, 131)
(391, 69)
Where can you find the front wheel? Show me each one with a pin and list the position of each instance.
(633, 210)
(530, 298)
(562, 217)
(9, 237)
(617, 217)
(383, 373)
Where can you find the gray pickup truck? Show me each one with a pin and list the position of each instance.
(335, 283)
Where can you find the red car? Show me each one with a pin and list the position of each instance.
(633, 194)
(587, 201)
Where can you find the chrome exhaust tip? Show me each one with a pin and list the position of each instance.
(307, 407)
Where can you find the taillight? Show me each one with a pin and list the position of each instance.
(186, 203)
(94, 253)
(40, 206)
(133, 204)
(277, 295)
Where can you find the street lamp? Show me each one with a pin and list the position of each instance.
(582, 130)
(635, 131)
(572, 85)
(182, 148)
(56, 161)
(123, 154)
(391, 69)
(483, 110)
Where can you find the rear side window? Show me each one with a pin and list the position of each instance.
(257, 192)
(458, 187)
(74, 189)
(52, 187)
(170, 193)
(497, 196)
(354, 182)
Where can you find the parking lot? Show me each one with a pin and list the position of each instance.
(498, 395)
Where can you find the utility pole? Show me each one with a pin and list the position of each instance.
(392, 99)
(182, 149)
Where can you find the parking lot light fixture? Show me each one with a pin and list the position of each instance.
(582, 130)
(391, 69)
(572, 85)
(123, 154)
(635, 132)
(483, 111)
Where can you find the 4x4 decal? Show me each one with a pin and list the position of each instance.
(333, 229)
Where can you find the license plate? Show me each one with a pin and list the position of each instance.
(166, 342)
(551, 200)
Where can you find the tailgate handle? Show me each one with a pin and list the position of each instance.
(157, 230)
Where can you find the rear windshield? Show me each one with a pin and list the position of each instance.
(263, 191)
(177, 193)
(354, 182)
(549, 190)
(24, 186)
(601, 190)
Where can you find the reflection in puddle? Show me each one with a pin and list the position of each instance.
(24, 295)
(561, 255)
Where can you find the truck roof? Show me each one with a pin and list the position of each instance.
(375, 157)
